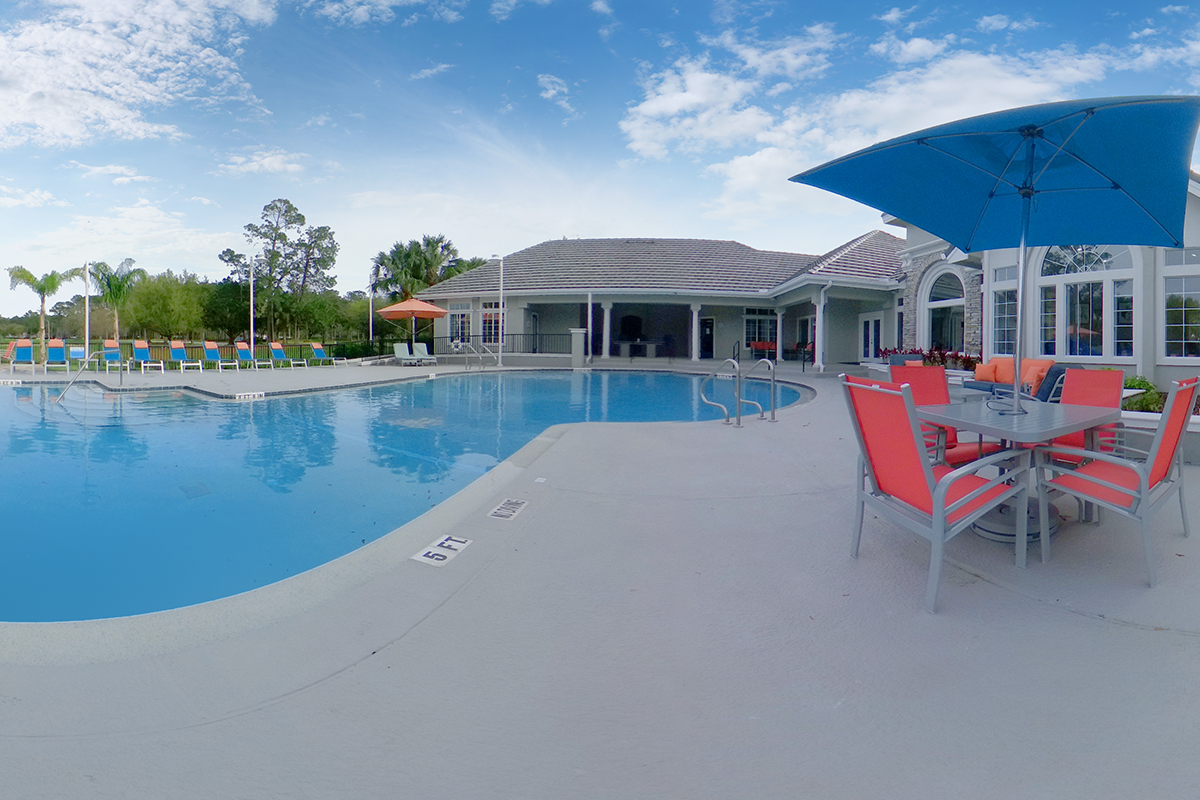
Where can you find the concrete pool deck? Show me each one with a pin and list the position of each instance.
(672, 614)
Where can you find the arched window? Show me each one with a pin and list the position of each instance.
(945, 304)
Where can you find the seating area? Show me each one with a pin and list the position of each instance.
(1069, 443)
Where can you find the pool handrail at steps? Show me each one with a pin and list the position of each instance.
(82, 367)
(737, 389)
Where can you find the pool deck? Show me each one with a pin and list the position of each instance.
(672, 614)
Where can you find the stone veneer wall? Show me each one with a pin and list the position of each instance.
(972, 312)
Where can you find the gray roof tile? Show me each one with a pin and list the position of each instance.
(666, 265)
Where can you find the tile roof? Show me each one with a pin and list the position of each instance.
(667, 266)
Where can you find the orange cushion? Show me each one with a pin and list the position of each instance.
(1077, 482)
(1004, 369)
(914, 363)
(1032, 377)
(985, 372)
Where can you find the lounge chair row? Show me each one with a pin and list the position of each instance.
(58, 356)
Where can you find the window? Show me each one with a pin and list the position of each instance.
(1004, 321)
(460, 322)
(1049, 328)
(492, 322)
(1181, 303)
(760, 325)
(946, 313)
(1086, 301)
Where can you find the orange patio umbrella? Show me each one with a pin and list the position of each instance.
(412, 309)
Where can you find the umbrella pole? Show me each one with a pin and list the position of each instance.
(1022, 258)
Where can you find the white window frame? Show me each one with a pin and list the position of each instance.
(1108, 278)
(1164, 272)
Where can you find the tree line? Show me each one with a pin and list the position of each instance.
(294, 295)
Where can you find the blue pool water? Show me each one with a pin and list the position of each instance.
(127, 503)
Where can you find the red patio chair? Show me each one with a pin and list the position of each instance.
(930, 388)
(933, 501)
(1132, 482)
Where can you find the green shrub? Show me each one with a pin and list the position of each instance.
(1150, 400)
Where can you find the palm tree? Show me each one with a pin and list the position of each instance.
(45, 286)
(114, 285)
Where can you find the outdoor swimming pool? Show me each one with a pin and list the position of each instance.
(127, 503)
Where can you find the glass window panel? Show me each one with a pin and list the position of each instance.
(1085, 323)
(1004, 321)
(1086, 258)
(1047, 326)
(946, 287)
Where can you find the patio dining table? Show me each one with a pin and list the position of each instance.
(1041, 422)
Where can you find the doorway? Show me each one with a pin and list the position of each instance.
(707, 328)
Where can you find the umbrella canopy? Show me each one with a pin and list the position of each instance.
(1080, 172)
(412, 309)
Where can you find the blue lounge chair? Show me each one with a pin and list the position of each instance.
(320, 355)
(179, 357)
(212, 355)
(77, 353)
(56, 356)
(280, 358)
(112, 356)
(421, 352)
(141, 357)
(23, 355)
(246, 356)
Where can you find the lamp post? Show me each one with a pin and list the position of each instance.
(500, 356)
(251, 266)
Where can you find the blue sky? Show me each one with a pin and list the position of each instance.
(156, 129)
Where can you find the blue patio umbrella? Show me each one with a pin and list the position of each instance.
(1079, 172)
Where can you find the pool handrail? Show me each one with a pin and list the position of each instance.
(770, 368)
(737, 390)
(82, 367)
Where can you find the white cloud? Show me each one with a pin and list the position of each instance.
(272, 161)
(556, 91)
(911, 50)
(698, 105)
(895, 16)
(1001, 22)
(1174, 9)
(89, 70)
(378, 12)
(204, 201)
(951, 86)
(601, 7)
(123, 174)
(10, 198)
(319, 121)
(1144, 33)
(437, 69)
(502, 9)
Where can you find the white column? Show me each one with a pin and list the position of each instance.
(778, 334)
(606, 337)
(819, 346)
(695, 331)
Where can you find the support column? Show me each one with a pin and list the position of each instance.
(606, 337)
(778, 335)
(819, 345)
(695, 331)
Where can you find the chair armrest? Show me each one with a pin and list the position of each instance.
(1021, 459)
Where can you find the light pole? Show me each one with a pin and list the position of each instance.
(87, 314)
(251, 266)
(500, 357)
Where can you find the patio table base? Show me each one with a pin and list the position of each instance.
(1000, 524)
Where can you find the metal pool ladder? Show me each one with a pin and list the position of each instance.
(737, 377)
